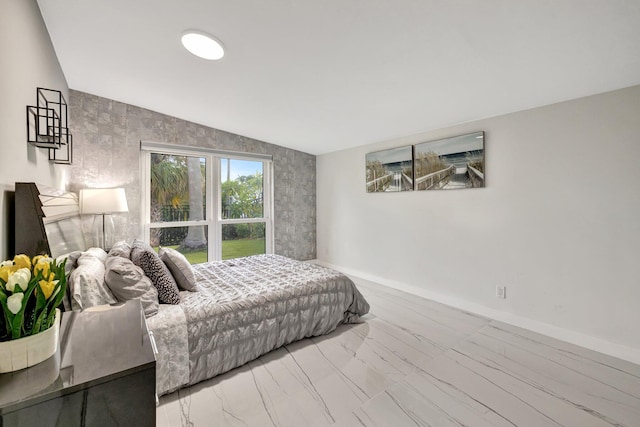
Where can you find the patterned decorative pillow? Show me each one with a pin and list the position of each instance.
(180, 268)
(127, 281)
(86, 281)
(146, 258)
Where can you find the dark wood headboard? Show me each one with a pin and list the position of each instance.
(47, 221)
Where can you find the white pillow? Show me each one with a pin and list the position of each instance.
(86, 281)
(72, 259)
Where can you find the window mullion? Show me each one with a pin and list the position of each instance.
(268, 205)
(171, 224)
(242, 220)
(145, 161)
(215, 244)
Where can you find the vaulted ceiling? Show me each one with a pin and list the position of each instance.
(320, 76)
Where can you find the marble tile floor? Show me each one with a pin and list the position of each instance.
(415, 362)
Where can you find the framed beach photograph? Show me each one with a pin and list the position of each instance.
(390, 170)
(450, 163)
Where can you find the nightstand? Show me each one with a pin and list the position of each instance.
(103, 374)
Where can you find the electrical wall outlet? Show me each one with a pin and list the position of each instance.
(501, 292)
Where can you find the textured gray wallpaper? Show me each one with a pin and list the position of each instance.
(106, 138)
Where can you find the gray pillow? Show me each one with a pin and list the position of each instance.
(179, 267)
(146, 258)
(127, 281)
(121, 249)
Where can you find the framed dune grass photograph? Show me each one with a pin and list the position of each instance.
(390, 170)
(450, 163)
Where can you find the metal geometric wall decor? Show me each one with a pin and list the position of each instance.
(48, 127)
(62, 155)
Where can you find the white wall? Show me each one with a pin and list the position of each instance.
(28, 61)
(558, 223)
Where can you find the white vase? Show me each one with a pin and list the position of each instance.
(28, 351)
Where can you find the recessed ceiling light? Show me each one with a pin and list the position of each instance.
(202, 45)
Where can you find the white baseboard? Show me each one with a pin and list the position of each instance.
(602, 346)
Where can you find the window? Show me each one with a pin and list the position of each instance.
(207, 204)
(242, 202)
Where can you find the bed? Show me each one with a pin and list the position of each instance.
(243, 309)
(205, 319)
(234, 312)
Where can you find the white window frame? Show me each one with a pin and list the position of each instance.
(213, 183)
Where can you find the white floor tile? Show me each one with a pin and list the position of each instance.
(416, 362)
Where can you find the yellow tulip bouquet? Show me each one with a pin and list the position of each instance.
(30, 291)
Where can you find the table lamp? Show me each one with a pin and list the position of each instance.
(103, 202)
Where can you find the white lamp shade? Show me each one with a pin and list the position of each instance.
(103, 201)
